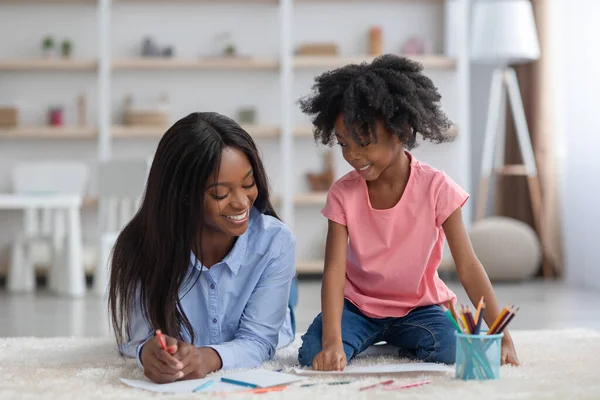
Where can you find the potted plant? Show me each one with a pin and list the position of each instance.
(66, 48)
(48, 46)
(230, 50)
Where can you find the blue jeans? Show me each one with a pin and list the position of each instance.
(424, 334)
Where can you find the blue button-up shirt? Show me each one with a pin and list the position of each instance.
(239, 307)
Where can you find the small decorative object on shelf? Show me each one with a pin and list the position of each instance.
(247, 115)
(55, 116)
(48, 46)
(66, 48)
(151, 49)
(375, 41)
(317, 49)
(168, 51)
(81, 109)
(9, 117)
(321, 182)
(230, 50)
(226, 44)
(415, 45)
(158, 116)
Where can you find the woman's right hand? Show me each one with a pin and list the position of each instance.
(161, 366)
(331, 358)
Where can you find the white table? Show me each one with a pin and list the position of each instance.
(69, 278)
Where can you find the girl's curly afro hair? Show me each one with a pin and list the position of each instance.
(391, 89)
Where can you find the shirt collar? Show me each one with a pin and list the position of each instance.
(234, 258)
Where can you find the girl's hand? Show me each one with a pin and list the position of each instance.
(331, 358)
(161, 366)
(197, 361)
(509, 355)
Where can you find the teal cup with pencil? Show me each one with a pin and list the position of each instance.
(478, 354)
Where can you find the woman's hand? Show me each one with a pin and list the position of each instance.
(197, 361)
(331, 358)
(509, 355)
(161, 366)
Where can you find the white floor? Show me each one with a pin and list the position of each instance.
(543, 306)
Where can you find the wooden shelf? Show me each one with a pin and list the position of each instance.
(429, 61)
(304, 131)
(303, 199)
(365, 1)
(229, 63)
(48, 2)
(137, 132)
(198, 1)
(310, 199)
(256, 131)
(56, 64)
(48, 132)
(310, 267)
(140, 132)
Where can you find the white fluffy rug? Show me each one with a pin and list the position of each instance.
(555, 365)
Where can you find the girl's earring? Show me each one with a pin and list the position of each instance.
(186, 201)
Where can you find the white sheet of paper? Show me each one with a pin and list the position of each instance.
(381, 369)
(264, 378)
(183, 386)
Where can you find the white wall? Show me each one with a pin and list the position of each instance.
(191, 28)
(580, 85)
(574, 25)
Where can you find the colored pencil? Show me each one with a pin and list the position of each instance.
(452, 320)
(377, 384)
(478, 314)
(161, 339)
(498, 320)
(240, 383)
(479, 317)
(466, 324)
(479, 308)
(410, 385)
(451, 308)
(502, 320)
(505, 324)
(470, 320)
(326, 383)
(264, 390)
(204, 385)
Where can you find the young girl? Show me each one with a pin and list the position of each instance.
(205, 259)
(387, 221)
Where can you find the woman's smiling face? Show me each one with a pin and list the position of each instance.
(230, 195)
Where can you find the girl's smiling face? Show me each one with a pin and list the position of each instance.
(374, 155)
(230, 195)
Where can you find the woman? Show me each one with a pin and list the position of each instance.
(205, 259)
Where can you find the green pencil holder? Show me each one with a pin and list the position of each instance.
(478, 356)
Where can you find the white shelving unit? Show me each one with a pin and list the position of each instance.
(285, 66)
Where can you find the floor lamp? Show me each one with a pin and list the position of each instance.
(504, 34)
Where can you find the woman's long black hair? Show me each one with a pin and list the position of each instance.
(151, 257)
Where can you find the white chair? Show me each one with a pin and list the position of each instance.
(43, 239)
(120, 186)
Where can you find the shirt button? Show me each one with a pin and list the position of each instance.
(212, 285)
(214, 320)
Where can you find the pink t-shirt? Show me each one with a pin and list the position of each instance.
(394, 254)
